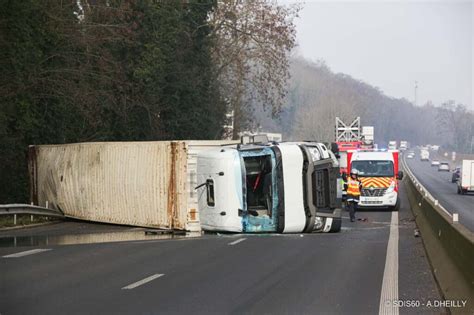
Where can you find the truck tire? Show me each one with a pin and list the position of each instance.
(396, 207)
(336, 225)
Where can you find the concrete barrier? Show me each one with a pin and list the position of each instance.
(449, 245)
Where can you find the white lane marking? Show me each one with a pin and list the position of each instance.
(389, 293)
(237, 241)
(26, 253)
(143, 281)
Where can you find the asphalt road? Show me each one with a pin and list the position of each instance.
(440, 186)
(341, 273)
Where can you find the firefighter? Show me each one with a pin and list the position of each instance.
(353, 187)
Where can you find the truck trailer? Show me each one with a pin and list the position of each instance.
(466, 177)
(148, 184)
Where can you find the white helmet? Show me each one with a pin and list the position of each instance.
(355, 172)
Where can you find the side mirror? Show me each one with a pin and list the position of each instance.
(344, 176)
(400, 175)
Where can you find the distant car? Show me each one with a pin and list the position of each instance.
(434, 163)
(443, 166)
(410, 156)
(456, 174)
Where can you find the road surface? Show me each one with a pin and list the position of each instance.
(440, 186)
(342, 273)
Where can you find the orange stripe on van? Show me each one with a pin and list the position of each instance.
(378, 182)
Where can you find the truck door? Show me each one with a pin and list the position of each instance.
(260, 191)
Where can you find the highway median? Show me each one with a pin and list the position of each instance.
(449, 245)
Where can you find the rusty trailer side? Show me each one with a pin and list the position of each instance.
(149, 184)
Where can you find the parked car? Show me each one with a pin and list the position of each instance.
(434, 163)
(456, 174)
(443, 166)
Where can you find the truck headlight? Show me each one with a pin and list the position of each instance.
(390, 188)
(318, 223)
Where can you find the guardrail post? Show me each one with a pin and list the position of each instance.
(14, 219)
(31, 218)
(455, 217)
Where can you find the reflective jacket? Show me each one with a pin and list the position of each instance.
(353, 188)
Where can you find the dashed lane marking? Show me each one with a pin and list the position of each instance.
(26, 253)
(237, 241)
(143, 281)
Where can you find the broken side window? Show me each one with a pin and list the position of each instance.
(259, 184)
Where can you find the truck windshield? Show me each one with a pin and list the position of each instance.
(373, 168)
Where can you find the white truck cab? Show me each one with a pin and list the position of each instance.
(268, 187)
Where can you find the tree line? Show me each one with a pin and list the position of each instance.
(317, 95)
(113, 70)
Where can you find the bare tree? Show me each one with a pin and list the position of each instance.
(455, 122)
(254, 39)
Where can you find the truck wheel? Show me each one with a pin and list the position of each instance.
(336, 225)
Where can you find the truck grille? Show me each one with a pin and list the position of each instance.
(375, 192)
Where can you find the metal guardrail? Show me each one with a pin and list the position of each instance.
(19, 208)
(426, 193)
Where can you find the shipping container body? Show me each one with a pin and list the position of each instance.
(466, 180)
(284, 188)
(149, 184)
(379, 174)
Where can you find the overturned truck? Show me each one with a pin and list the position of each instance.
(191, 185)
(276, 187)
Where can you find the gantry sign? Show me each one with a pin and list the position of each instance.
(348, 133)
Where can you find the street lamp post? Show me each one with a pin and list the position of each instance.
(416, 88)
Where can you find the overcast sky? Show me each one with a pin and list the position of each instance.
(393, 44)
